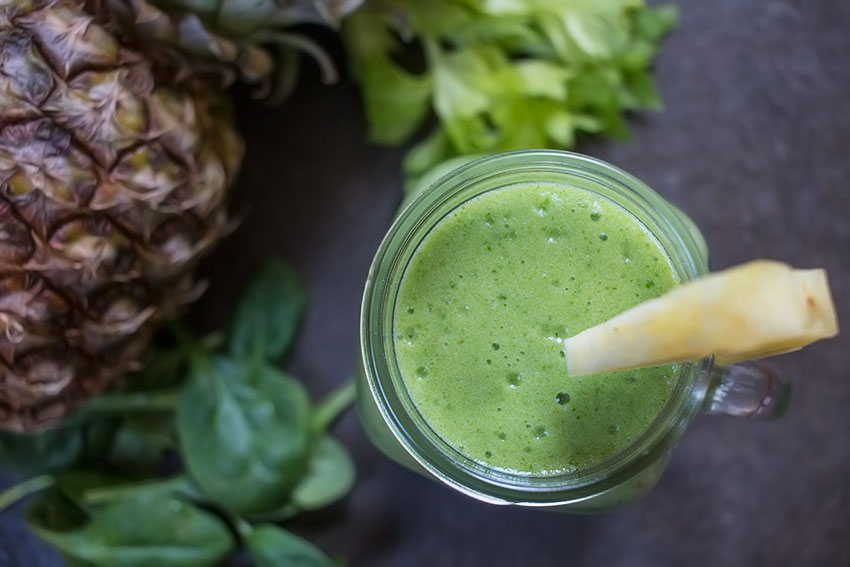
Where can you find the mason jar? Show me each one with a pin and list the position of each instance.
(392, 421)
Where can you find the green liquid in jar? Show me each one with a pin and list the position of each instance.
(484, 305)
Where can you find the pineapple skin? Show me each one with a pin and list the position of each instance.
(113, 175)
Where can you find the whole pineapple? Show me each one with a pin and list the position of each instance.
(115, 157)
(111, 186)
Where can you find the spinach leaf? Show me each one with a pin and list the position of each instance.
(272, 546)
(86, 436)
(329, 477)
(56, 449)
(35, 454)
(72, 484)
(149, 529)
(244, 430)
(96, 494)
(267, 313)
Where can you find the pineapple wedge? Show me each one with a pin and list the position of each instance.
(751, 311)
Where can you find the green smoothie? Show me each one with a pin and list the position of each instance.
(483, 308)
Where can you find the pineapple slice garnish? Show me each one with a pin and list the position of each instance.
(758, 309)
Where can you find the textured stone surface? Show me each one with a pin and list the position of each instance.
(753, 145)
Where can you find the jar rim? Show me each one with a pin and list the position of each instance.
(414, 222)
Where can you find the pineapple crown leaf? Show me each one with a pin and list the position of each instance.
(231, 39)
(304, 44)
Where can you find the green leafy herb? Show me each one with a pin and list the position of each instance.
(74, 443)
(503, 75)
(113, 490)
(146, 530)
(396, 101)
(95, 494)
(272, 546)
(267, 314)
(243, 423)
(329, 477)
(330, 470)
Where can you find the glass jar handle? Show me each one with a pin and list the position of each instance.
(753, 389)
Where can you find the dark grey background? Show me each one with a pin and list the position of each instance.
(754, 144)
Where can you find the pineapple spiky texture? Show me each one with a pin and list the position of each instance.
(113, 177)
